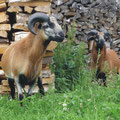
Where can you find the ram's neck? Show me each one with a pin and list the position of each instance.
(99, 56)
(35, 55)
(38, 48)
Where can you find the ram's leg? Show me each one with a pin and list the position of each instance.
(20, 83)
(40, 85)
(101, 75)
(104, 79)
(97, 74)
(118, 71)
(31, 88)
(19, 89)
(12, 87)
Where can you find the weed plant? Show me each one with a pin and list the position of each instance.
(70, 66)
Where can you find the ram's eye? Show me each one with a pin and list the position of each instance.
(52, 25)
(46, 26)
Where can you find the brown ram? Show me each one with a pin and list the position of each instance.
(22, 61)
(101, 53)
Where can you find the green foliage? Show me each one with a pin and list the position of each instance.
(70, 63)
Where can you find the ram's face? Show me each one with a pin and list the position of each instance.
(53, 30)
(100, 39)
(48, 27)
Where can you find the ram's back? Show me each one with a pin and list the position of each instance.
(113, 59)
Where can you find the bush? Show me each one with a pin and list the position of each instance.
(70, 65)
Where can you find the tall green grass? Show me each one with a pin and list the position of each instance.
(91, 103)
(70, 65)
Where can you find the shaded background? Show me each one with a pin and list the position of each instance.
(88, 15)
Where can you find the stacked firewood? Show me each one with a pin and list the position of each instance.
(14, 16)
(5, 26)
(88, 15)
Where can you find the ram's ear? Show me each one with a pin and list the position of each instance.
(107, 44)
(91, 35)
(90, 45)
(37, 26)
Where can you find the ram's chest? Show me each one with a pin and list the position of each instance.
(32, 71)
(28, 69)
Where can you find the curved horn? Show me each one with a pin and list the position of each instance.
(91, 33)
(37, 17)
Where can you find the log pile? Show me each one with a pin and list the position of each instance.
(14, 15)
(88, 15)
(5, 26)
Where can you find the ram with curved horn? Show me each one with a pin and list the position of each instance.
(22, 61)
(93, 35)
(99, 45)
